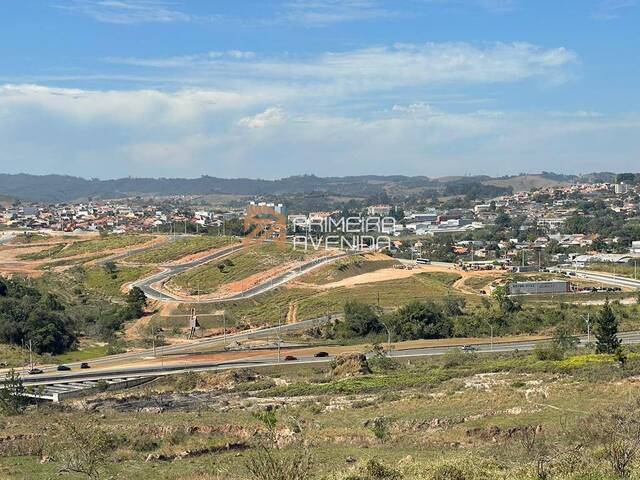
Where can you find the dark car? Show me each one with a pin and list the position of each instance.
(289, 358)
(63, 368)
(321, 354)
(35, 371)
(468, 348)
(84, 365)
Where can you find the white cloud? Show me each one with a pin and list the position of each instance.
(324, 12)
(189, 133)
(126, 11)
(271, 116)
(182, 61)
(612, 9)
(491, 6)
(378, 68)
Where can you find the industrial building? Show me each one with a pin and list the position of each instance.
(541, 288)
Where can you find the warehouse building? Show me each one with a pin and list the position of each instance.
(540, 288)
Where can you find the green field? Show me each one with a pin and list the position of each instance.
(258, 258)
(27, 238)
(82, 354)
(345, 268)
(456, 417)
(98, 279)
(83, 247)
(182, 247)
(12, 356)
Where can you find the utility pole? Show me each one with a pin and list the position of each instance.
(224, 329)
(388, 336)
(30, 355)
(491, 328)
(279, 331)
(588, 322)
(153, 340)
(491, 333)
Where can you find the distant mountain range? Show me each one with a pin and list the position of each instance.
(62, 188)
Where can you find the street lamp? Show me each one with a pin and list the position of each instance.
(491, 330)
(588, 322)
(388, 334)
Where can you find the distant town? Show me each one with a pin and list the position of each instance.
(546, 226)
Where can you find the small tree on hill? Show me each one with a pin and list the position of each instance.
(13, 399)
(110, 267)
(136, 301)
(607, 330)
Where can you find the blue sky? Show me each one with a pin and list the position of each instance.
(271, 88)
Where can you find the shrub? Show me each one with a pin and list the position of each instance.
(448, 472)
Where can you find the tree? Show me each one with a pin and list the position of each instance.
(607, 330)
(13, 400)
(564, 340)
(618, 433)
(507, 305)
(83, 449)
(110, 267)
(360, 319)
(48, 331)
(136, 301)
(269, 462)
(420, 320)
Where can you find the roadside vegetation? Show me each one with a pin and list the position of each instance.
(54, 312)
(624, 270)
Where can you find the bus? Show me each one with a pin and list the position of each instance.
(423, 261)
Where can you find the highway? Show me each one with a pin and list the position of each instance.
(193, 346)
(628, 338)
(608, 279)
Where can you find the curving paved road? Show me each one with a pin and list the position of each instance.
(146, 284)
(169, 271)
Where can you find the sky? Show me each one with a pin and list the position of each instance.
(273, 88)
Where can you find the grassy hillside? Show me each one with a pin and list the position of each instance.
(181, 248)
(457, 417)
(312, 303)
(98, 279)
(345, 268)
(83, 247)
(524, 183)
(261, 257)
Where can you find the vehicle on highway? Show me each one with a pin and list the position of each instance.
(423, 261)
(321, 354)
(84, 365)
(469, 348)
(35, 371)
(290, 358)
(63, 368)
